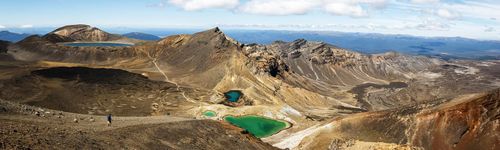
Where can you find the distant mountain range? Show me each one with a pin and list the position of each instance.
(442, 47)
(141, 36)
(11, 36)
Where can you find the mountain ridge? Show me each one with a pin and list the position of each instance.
(141, 36)
(11, 36)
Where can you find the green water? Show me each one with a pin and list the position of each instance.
(233, 95)
(100, 44)
(259, 126)
(209, 113)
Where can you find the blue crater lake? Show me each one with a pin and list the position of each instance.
(233, 95)
(98, 44)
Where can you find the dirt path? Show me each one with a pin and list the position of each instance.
(20, 112)
(154, 61)
(99, 123)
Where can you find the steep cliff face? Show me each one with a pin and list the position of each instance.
(460, 124)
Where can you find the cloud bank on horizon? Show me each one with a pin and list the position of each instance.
(467, 18)
(456, 16)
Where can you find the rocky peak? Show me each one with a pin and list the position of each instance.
(216, 29)
(215, 37)
(174, 40)
(298, 43)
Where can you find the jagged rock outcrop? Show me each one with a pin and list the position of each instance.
(327, 63)
(262, 61)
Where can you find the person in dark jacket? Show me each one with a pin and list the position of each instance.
(109, 120)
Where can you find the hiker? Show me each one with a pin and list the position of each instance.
(109, 120)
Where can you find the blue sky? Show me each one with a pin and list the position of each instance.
(478, 19)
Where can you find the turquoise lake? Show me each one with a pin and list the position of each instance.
(233, 96)
(210, 113)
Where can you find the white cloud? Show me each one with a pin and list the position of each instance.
(489, 29)
(1, 27)
(479, 10)
(433, 25)
(371, 3)
(345, 9)
(447, 14)
(424, 1)
(427, 24)
(26, 26)
(278, 7)
(402, 16)
(352, 8)
(193, 5)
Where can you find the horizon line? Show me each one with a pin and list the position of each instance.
(206, 27)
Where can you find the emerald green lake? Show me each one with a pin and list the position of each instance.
(209, 113)
(259, 126)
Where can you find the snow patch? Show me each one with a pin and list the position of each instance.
(294, 139)
(431, 75)
(289, 110)
(466, 70)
